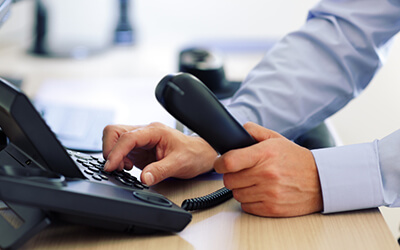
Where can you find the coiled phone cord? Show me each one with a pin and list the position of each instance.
(207, 201)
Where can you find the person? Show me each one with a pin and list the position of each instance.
(306, 77)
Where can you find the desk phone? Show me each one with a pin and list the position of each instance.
(42, 182)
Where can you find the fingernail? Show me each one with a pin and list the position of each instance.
(148, 178)
(106, 165)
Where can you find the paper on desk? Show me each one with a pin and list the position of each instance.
(78, 110)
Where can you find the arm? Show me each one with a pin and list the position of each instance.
(320, 68)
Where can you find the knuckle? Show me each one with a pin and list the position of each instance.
(275, 193)
(156, 125)
(271, 173)
(125, 136)
(266, 209)
(236, 195)
(181, 158)
(228, 181)
(272, 210)
(269, 150)
(156, 129)
(229, 163)
(108, 129)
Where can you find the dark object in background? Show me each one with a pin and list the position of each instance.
(318, 137)
(124, 33)
(3, 140)
(40, 27)
(61, 43)
(208, 67)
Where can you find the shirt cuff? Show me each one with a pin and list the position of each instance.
(350, 177)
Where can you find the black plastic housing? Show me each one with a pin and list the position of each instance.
(187, 99)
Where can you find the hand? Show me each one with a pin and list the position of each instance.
(159, 150)
(274, 178)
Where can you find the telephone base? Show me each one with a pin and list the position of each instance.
(19, 223)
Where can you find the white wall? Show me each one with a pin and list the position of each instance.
(180, 20)
(160, 19)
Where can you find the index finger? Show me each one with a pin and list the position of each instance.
(139, 138)
(260, 133)
(236, 160)
(111, 134)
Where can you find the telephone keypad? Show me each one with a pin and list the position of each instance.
(93, 166)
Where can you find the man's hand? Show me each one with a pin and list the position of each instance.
(159, 150)
(274, 178)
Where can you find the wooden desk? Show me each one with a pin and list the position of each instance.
(223, 227)
(227, 227)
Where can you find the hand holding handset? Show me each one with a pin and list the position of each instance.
(187, 99)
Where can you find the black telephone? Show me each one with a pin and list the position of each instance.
(192, 103)
(207, 66)
(41, 182)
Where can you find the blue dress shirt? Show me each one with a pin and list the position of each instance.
(312, 73)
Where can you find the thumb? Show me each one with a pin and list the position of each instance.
(147, 178)
(259, 133)
(155, 172)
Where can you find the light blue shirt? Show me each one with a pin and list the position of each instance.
(312, 73)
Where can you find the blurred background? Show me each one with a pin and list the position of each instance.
(85, 29)
(158, 21)
(111, 49)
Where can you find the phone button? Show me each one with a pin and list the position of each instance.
(152, 198)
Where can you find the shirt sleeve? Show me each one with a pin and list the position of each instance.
(389, 159)
(350, 177)
(361, 175)
(312, 73)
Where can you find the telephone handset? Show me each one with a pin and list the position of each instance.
(187, 99)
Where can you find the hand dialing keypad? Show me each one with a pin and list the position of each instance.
(93, 166)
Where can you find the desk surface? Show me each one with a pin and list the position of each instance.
(223, 227)
(227, 227)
